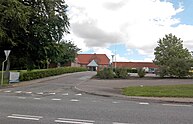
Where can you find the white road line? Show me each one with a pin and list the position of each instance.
(74, 100)
(54, 99)
(52, 93)
(18, 91)
(115, 102)
(122, 123)
(177, 105)
(7, 91)
(21, 97)
(65, 94)
(74, 121)
(144, 103)
(79, 94)
(40, 93)
(26, 117)
(28, 92)
(37, 98)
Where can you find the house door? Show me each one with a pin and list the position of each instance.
(92, 69)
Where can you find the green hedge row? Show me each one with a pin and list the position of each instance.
(30, 75)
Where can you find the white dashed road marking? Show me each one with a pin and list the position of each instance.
(177, 105)
(28, 92)
(7, 91)
(40, 93)
(52, 93)
(26, 117)
(54, 99)
(21, 97)
(115, 102)
(18, 91)
(65, 94)
(122, 123)
(74, 100)
(79, 94)
(37, 98)
(144, 103)
(74, 121)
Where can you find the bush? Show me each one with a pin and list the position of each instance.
(129, 70)
(106, 73)
(121, 73)
(141, 72)
(30, 75)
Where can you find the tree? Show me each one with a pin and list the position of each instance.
(31, 29)
(172, 59)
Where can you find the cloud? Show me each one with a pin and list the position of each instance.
(94, 36)
(115, 5)
(136, 23)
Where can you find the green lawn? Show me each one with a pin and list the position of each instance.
(160, 91)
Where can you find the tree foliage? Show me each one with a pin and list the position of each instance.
(33, 30)
(141, 72)
(171, 57)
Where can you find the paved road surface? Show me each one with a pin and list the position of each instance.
(57, 102)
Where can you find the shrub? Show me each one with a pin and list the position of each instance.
(141, 72)
(129, 70)
(106, 73)
(30, 75)
(121, 73)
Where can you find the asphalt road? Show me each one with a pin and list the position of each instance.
(56, 101)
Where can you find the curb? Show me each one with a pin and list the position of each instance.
(135, 98)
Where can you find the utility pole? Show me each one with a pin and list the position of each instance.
(112, 60)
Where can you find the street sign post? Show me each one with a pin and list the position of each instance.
(7, 52)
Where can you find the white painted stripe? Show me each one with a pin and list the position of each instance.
(32, 116)
(40, 93)
(177, 105)
(56, 99)
(28, 92)
(52, 93)
(37, 98)
(122, 123)
(65, 94)
(18, 91)
(115, 102)
(144, 103)
(26, 117)
(7, 91)
(21, 97)
(79, 94)
(72, 122)
(75, 120)
(74, 100)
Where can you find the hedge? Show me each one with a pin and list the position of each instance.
(106, 73)
(30, 75)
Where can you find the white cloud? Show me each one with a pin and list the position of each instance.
(136, 23)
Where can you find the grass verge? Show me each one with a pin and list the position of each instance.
(160, 91)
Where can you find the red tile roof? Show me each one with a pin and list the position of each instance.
(100, 59)
(135, 64)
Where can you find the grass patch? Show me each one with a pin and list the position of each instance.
(160, 91)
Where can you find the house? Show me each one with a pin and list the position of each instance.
(92, 61)
(148, 66)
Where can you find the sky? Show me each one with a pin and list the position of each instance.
(128, 29)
